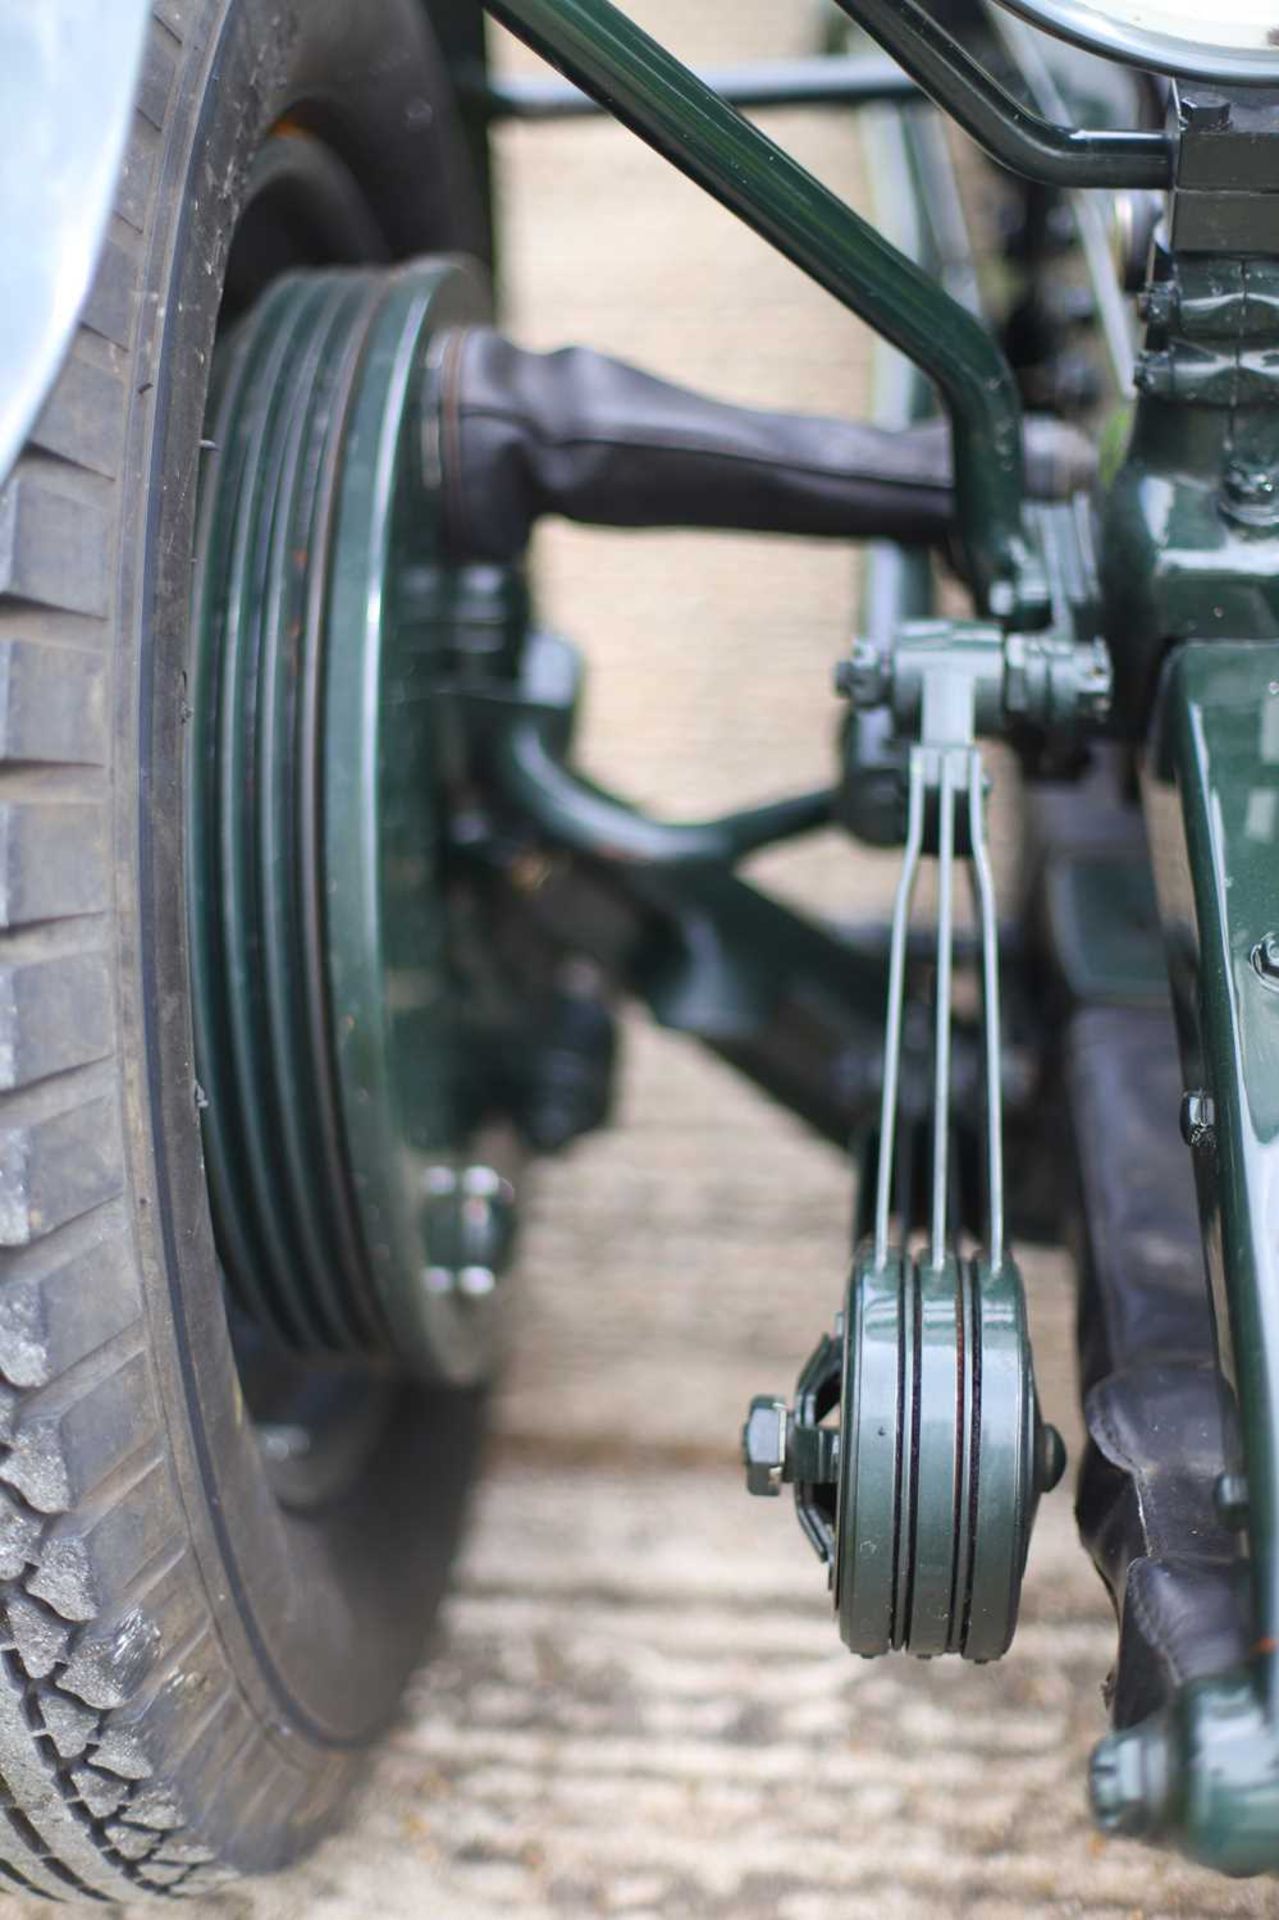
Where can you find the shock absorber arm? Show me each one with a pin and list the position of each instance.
(575, 433)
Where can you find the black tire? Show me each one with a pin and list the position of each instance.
(191, 1668)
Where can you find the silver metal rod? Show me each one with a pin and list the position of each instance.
(984, 887)
(945, 966)
(896, 999)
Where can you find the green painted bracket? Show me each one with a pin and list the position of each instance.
(1206, 1774)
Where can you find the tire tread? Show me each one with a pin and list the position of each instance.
(98, 1617)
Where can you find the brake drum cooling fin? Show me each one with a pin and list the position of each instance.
(327, 1019)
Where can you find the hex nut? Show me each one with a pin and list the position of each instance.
(1198, 1118)
(1129, 1780)
(764, 1445)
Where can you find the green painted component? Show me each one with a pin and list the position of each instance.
(469, 1228)
(728, 958)
(1189, 536)
(1213, 331)
(1019, 139)
(250, 1118)
(1211, 793)
(1203, 1774)
(956, 679)
(331, 1033)
(577, 813)
(950, 1480)
(923, 1505)
(1189, 529)
(646, 88)
(1212, 798)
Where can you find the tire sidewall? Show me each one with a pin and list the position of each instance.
(322, 1617)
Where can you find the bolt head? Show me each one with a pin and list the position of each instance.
(1128, 1780)
(1115, 1804)
(1250, 494)
(764, 1446)
(483, 1183)
(469, 1227)
(1198, 1118)
(1249, 483)
(1002, 599)
(283, 1442)
(1206, 112)
(1096, 681)
(1265, 959)
(865, 676)
(475, 1283)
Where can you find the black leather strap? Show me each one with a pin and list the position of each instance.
(1154, 1402)
(578, 434)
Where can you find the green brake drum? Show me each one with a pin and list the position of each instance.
(329, 1026)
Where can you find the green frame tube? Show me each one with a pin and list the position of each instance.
(821, 80)
(1033, 147)
(645, 87)
(1204, 1772)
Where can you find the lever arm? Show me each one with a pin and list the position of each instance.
(575, 433)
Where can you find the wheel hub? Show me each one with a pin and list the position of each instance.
(330, 1022)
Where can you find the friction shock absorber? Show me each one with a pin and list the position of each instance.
(915, 1445)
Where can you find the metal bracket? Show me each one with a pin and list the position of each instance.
(947, 682)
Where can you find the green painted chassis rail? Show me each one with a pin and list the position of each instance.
(1205, 1773)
